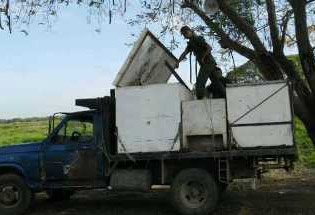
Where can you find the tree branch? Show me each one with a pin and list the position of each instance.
(244, 27)
(304, 46)
(6, 13)
(1, 27)
(274, 32)
(285, 21)
(225, 40)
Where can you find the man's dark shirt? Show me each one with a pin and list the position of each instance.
(198, 46)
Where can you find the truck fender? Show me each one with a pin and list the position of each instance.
(16, 168)
(13, 168)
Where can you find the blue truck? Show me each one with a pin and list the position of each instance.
(80, 152)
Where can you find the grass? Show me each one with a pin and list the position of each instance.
(304, 145)
(23, 132)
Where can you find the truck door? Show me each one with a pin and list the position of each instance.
(72, 157)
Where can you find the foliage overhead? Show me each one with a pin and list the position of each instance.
(170, 14)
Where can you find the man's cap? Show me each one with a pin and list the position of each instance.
(184, 29)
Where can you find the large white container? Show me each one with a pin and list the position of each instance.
(260, 115)
(148, 117)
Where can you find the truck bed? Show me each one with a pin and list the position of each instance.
(234, 153)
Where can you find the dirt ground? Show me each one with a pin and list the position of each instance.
(277, 193)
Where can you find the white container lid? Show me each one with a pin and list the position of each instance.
(146, 63)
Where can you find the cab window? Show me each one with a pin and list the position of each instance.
(79, 130)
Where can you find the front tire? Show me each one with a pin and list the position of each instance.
(15, 195)
(194, 192)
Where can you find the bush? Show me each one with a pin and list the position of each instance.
(304, 145)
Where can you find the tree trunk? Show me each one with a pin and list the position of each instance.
(304, 46)
(306, 115)
(304, 106)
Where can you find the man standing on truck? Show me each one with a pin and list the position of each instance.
(208, 66)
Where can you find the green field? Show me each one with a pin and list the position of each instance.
(23, 131)
(29, 130)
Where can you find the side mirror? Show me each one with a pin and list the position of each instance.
(49, 125)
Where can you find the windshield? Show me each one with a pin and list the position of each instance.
(75, 129)
(55, 120)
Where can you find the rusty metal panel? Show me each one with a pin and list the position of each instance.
(84, 166)
(205, 143)
(135, 180)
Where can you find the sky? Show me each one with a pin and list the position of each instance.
(45, 71)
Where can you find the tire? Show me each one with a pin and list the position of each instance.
(15, 195)
(59, 195)
(194, 192)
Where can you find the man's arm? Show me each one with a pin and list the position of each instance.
(182, 56)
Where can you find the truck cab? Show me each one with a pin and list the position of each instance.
(72, 154)
(70, 158)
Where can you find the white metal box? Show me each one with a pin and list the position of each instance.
(260, 115)
(148, 117)
(203, 118)
(146, 63)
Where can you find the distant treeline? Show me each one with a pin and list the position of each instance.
(29, 119)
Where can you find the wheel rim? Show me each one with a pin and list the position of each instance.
(10, 196)
(194, 194)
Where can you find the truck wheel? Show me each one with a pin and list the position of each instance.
(59, 195)
(194, 192)
(15, 195)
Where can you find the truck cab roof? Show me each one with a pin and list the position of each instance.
(80, 112)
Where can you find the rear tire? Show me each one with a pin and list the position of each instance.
(59, 195)
(194, 192)
(15, 195)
